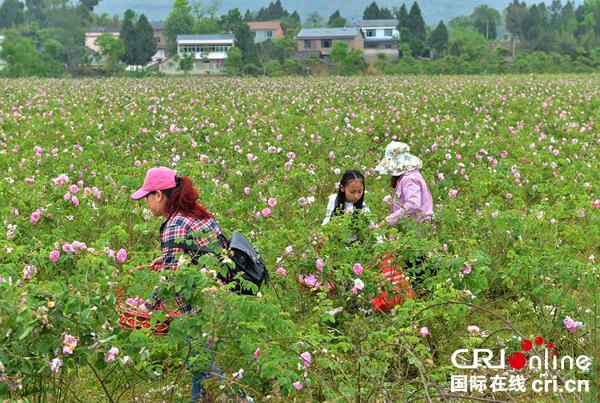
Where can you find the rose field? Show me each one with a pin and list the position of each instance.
(512, 255)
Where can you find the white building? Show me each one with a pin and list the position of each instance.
(208, 51)
(379, 34)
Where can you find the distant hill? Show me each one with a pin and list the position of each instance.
(432, 10)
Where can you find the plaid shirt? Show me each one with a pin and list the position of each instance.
(178, 228)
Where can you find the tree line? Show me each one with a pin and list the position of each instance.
(46, 38)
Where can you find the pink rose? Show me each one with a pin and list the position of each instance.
(509, 196)
(297, 385)
(272, 202)
(310, 280)
(452, 193)
(122, 255)
(358, 269)
(111, 355)
(597, 203)
(35, 216)
(571, 325)
(473, 330)
(307, 358)
(69, 344)
(320, 265)
(266, 212)
(56, 364)
(73, 189)
(467, 268)
(424, 332)
(257, 353)
(54, 255)
(281, 272)
(75, 201)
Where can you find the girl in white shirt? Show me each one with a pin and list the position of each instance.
(350, 196)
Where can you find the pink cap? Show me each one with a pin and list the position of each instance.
(160, 178)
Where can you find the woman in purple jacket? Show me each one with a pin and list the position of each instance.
(412, 198)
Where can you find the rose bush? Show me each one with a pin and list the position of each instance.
(265, 155)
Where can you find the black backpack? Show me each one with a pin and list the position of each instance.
(245, 257)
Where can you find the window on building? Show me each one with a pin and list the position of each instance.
(307, 44)
(325, 43)
(388, 32)
(269, 34)
(371, 33)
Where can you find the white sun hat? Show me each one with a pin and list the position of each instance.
(398, 160)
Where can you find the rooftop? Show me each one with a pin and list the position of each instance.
(211, 37)
(328, 33)
(105, 28)
(257, 25)
(374, 23)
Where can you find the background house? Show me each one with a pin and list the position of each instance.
(264, 30)
(381, 36)
(323, 39)
(161, 41)
(94, 33)
(159, 35)
(207, 51)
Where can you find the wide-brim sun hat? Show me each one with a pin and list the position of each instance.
(159, 178)
(398, 160)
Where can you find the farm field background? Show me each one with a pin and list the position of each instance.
(512, 164)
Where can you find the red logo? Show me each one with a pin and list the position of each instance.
(517, 359)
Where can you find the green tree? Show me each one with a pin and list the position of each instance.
(339, 53)
(113, 49)
(439, 40)
(231, 20)
(185, 64)
(273, 68)
(314, 20)
(385, 14)
(592, 17)
(68, 25)
(234, 61)
(336, 20)
(344, 62)
(145, 41)
(244, 40)
(355, 62)
(467, 44)
(293, 67)
(418, 34)
(402, 17)
(461, 22)
(11, 14)
(179, 21)
(486, 19)
(371, 12)
(284, 48)
(21, 58)
(516, 13)
(128, 36)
